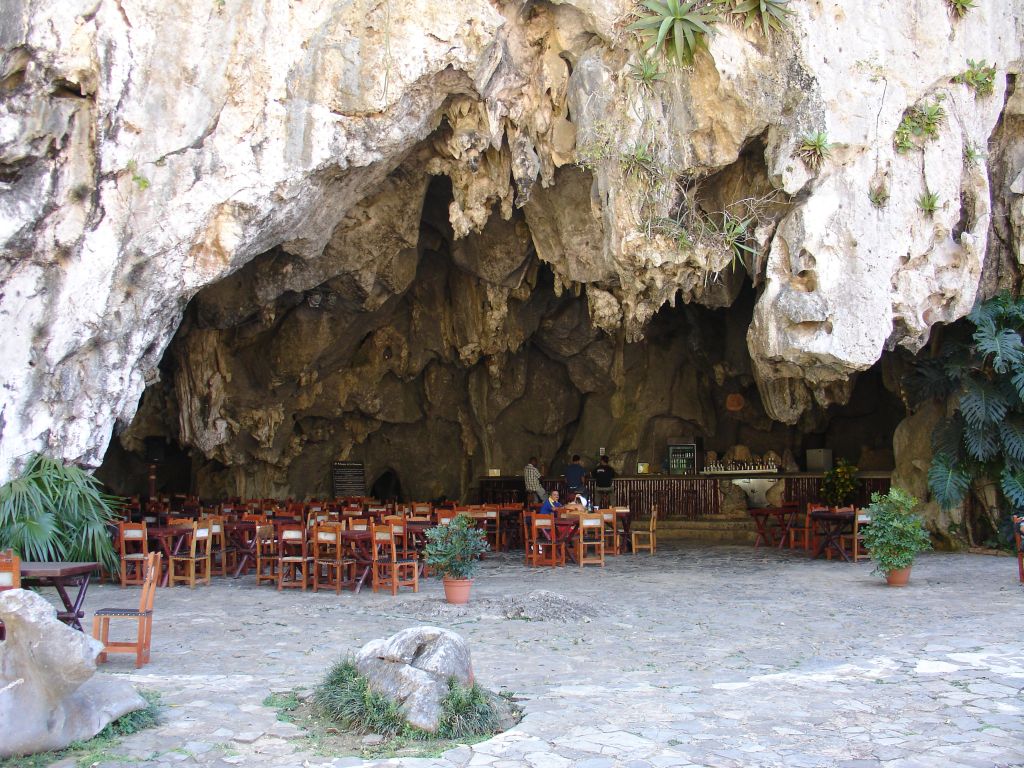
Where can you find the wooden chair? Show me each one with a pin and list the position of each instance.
(10, 576)
(590, 547)
(1018, 521)
(390, 570)
(853, 542)
(613, 532)
(220, 552)
(293, 558)
(197, 559)
(547, 550)
(143, 615)
(805, 533)
(647, 539)
(488, 518)
(266, 554)
(134, 550)
(331, 566)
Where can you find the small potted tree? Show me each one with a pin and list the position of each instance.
(895, 535)
(839, 486)
(453, 552)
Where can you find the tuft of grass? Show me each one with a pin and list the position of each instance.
(284, 703)
(928, 202)
(979, 76)
(466, 712)
(972, 155)
(345, 697)
(814, 149)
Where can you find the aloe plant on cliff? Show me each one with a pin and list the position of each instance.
(983, 440)
(57, 512)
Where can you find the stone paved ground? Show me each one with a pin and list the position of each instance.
(699, 656)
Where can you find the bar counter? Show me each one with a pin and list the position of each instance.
(685, 496)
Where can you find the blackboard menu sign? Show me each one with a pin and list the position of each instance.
(348, 479)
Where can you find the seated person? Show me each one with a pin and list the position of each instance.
(549, 506)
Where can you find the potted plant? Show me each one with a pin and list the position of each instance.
(895, 535)
(839, 484)
(453, 552)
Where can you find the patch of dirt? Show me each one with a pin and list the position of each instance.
(537, 605)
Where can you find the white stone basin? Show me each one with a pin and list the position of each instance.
(755, 488)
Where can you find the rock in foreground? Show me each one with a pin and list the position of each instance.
(49, 696)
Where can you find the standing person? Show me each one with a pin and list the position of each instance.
(531, 477)
(603, 477)
(575, 477)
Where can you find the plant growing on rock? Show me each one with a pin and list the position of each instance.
(839, 484)
(57, 512)
(814, 149)
(960, 7)
(734, 233)
(678, 27)
(979, 76)
(771, 13)
(928, 202)
(972, 155)
(879, 195)
(983, 441)
(647, 72)
(919, 124)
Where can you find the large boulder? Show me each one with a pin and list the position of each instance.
(49, 696)
(413, 667)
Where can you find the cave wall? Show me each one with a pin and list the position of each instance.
(138, 171)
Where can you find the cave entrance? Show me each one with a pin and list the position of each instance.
(387, 487)
(402, 345)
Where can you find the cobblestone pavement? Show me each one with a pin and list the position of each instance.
(719, 657)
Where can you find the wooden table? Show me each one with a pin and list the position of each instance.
(60, 576)
(362, 552)
(241, 535)
(170, 539)
(784, 517)
(831, 526)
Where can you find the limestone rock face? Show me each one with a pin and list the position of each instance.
(413, 667)
(347, 177)
(49, 696)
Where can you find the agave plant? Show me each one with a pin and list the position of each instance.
(647, 72)
(928, 202)
(771, 13)
(681, 27)
(56, 512)
(984, 438)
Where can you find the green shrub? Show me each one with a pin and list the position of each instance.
(678, 27)
(454, 550)
(57, 512)
(895, 534)
(979, 76)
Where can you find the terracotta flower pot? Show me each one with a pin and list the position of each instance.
(898, 577)
(457, 590)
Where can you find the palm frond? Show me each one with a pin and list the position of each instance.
(1011, 432)
(1003, 345)
(982, 443)
(1012, 485)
